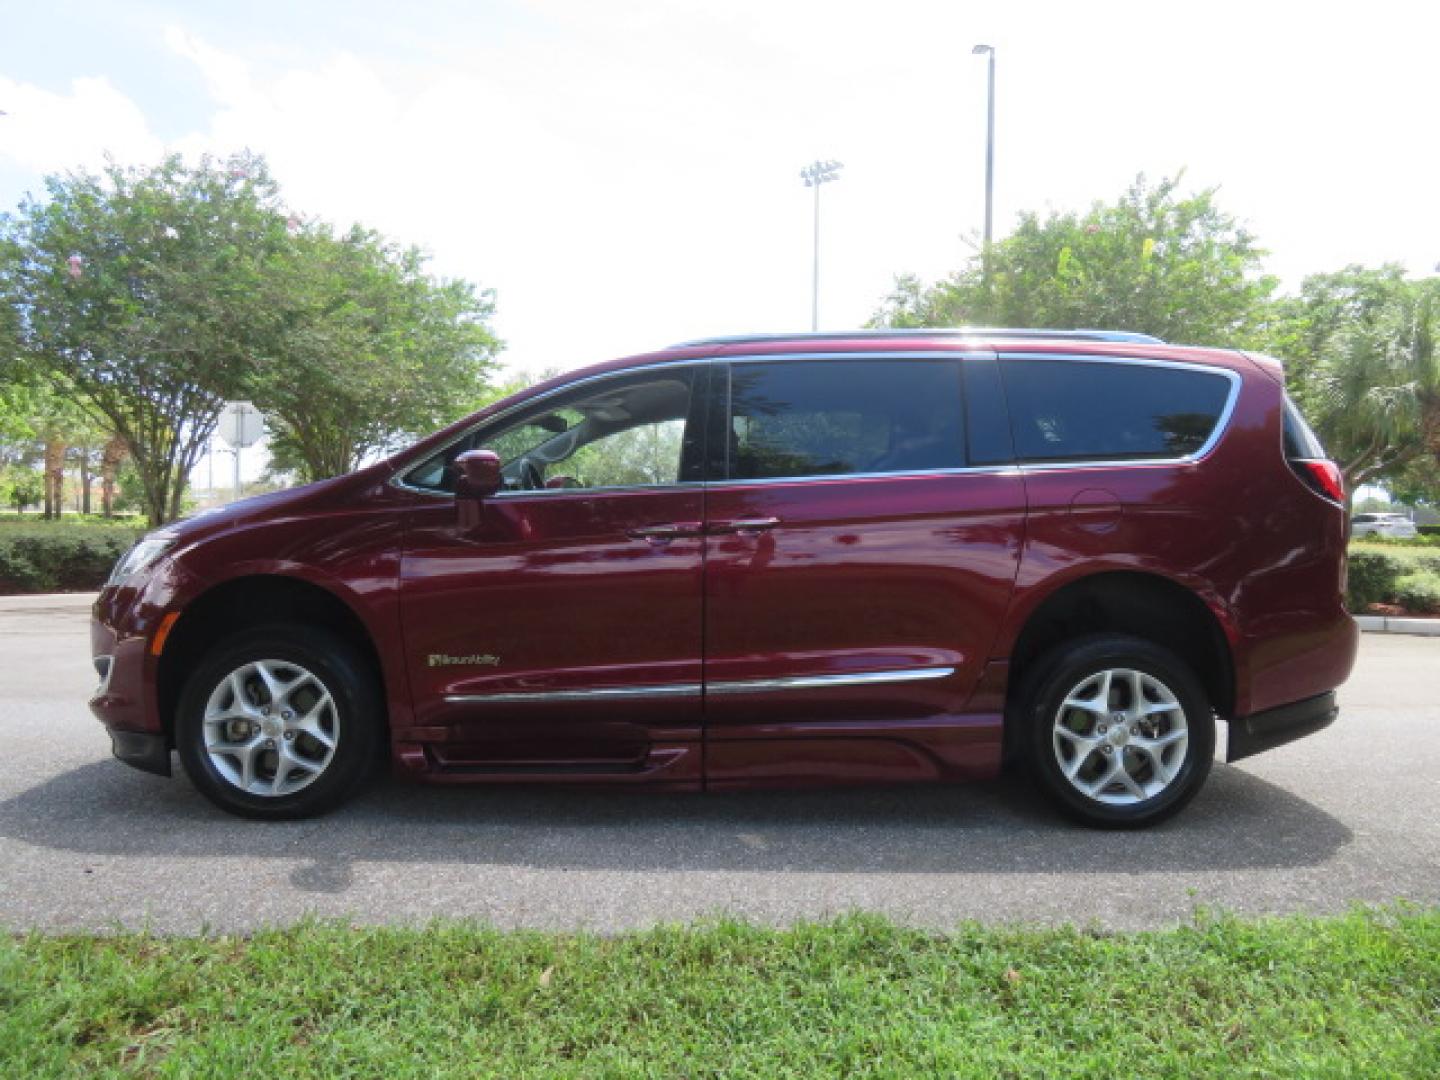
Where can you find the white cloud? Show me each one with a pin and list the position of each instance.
(626, 173)
(49, 132)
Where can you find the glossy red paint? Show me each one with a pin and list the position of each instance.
(555, 594)
(888, 574)
(935, 571)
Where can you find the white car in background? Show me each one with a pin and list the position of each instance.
(1397, 525)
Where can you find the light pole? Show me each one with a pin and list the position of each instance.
(989, 50)
(815, 174)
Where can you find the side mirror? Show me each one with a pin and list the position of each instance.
(479, 474)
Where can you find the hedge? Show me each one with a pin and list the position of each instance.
(1419, 593)
(1394, 574)
(1424, 540)
(60, 557)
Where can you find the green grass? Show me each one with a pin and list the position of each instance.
(1351, 996)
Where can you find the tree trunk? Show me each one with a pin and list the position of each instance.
(85, 480)
(110, 459)
(54, 478)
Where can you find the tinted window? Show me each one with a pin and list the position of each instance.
(824, 418)
(987, 421)
(1062, 410)
(623, 432)
(1300, 441)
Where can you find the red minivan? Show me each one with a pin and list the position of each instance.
(804, 559)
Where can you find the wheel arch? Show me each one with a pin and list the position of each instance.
(1146, 605)
(252, 600)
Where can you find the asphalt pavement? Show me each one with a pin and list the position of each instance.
(1350, 815)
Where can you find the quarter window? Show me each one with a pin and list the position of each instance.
(832, 418)
(1065, 410)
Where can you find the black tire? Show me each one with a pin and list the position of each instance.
(356, 722)
(1065, 669)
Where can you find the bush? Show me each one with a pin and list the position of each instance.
(59, 557)
(1410, 560)
(1424, 540)
(1419, 593)
(1372, 577)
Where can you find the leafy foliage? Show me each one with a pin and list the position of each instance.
(136, 288)
(1153, 262)
(154, 295)
(366, 349)
(59, 557)
(1362, 362)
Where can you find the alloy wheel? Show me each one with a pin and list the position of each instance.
(271, 728)
(1120, 736)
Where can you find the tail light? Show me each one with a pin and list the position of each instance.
(1325, 477)
(1307, 457)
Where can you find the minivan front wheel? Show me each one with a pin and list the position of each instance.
(1118, 730)
(278, 723)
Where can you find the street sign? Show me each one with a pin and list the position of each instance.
(241, 424)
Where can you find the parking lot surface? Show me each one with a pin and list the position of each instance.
(1349, 815)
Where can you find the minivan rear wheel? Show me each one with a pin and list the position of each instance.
(1117, 731)
(279, 722)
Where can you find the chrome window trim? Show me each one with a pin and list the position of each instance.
(959, 353)
(1222, 423)
(916, 473)
(732, 686)
(398, 480)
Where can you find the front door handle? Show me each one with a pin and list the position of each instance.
(745, 525)
(672, 530)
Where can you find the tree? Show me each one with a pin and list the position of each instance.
(1152, 262)
(367, 349)
(40, 421)
(112, 455)
(138, 289)
(20, 486)
(1360, 346)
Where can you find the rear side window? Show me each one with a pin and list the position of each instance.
(1076, 410)
(1301, 443)
(832, 418)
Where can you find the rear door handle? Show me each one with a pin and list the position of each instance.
(672, 530)
(745, 525)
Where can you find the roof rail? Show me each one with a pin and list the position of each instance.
(1012, 333)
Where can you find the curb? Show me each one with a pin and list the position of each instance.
(48, 601)
(1386, 624)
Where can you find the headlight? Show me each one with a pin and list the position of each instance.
(145, 554)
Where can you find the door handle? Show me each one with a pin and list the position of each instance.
(673, 530)
(745, 525)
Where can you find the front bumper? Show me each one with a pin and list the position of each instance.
(1254, 734)
(121, 626)
(150, 753)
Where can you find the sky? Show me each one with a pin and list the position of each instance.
(626, 173)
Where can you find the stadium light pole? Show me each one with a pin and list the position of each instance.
(814, 175)
(989, 50)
